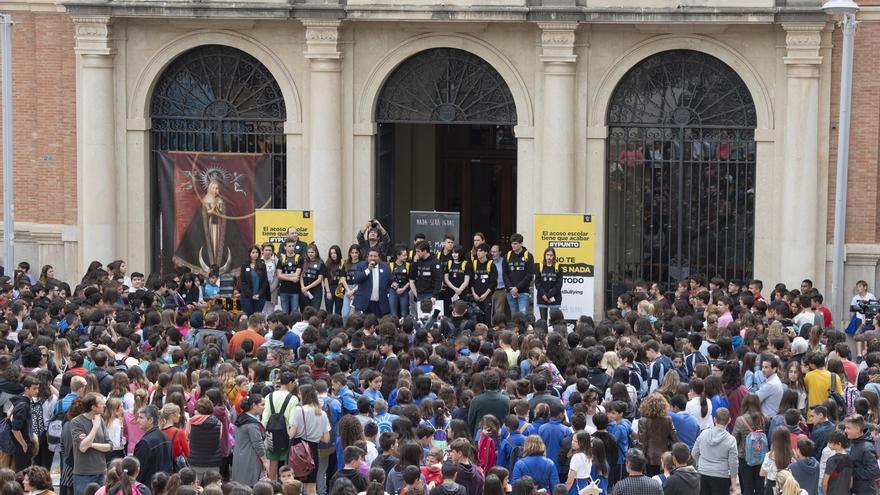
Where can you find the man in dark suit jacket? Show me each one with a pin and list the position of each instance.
(374, 279)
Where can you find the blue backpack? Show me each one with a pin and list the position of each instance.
(755, 445)
(7, 443)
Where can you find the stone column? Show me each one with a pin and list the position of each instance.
(97, 143)
(798, 250)
(325, 130)
(557, 169)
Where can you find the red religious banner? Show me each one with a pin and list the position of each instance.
(207, 203)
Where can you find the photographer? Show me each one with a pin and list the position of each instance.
(860, 318)
(374, 236)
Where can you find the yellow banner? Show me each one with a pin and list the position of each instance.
(271, 225)
(572, 236)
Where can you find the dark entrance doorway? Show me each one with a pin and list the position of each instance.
(446, 143)
(680, 184)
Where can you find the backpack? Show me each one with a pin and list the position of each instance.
(384, 424)
(53, 429)
(440, 440)
(832, 393)
(640, 384)
(120, 365)
(276, 427)
(516, 452)
(755, 445)
(7, 443)
(299, 457)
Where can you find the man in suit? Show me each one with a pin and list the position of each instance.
(374, 280)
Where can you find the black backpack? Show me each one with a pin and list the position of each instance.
(276, 428)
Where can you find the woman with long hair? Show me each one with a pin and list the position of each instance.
(777, 459)
(410, 454)
(169, 418)
(793, 379)
(788, 401)
(587, 464)
(310, 425)
(350, 267)
(335, 274)
(312, 279)
(548, 283)
(399, 295)
(113, 424)
(751, 419)
(456, 278)
(253, 283)
(656, 431)
(349, 431)
(698, 406)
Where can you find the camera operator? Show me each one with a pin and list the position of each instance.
(374, 236)
(862, 295)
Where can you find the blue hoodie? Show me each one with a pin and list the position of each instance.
(347, 399)
(806, 471)
(686, 426)
(621, 432)
(553, 433)
(540, 468)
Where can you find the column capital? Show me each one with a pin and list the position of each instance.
(557, 42)
(803, 41)
(322, 39)
(93, 35)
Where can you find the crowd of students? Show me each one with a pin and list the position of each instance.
(700, 390)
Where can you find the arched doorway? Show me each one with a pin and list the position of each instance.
(215, 99)
(680, 176)
(446, 143)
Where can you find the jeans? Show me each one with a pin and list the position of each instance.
(518, 304)
(81, 481)
(399, 302)
(750, 480)
(251, 306)
(289, 302)
(347, 305)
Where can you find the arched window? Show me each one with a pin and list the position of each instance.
(216, 99)
(446, 86)
(680, 173)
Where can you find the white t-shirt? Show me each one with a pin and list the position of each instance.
(694, 408)
(580, 465)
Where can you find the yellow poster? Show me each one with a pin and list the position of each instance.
(271, 225)
(572, 236)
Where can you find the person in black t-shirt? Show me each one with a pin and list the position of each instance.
(311, 282)
(400, 294)
(288, 271)
(484, 278)
(839, 468)
(455, 279)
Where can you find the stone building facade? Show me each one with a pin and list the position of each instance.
(573, 132)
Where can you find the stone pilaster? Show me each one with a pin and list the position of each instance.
(325, 129)
(97, 142)
(801, 164)
(557, 169)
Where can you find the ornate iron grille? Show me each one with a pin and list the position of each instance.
(217, 99)
(681, 173)
(446, 86)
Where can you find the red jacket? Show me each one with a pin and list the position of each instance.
(486, 453)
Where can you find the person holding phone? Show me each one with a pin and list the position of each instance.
(374, 236)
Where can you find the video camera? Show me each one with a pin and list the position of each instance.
(869, 308)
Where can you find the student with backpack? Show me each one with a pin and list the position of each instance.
(752, 444)
(277, 419)
(511, 447)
